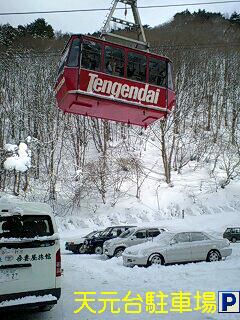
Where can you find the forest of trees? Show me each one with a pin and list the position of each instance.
(76, 159)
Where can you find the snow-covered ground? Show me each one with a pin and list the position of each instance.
(96, 273)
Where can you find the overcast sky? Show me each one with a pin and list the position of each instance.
(83, 22)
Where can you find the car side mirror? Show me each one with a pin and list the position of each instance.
(172, 242)
(133, 238)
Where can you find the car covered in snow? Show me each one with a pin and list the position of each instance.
(131, 237)
(76, 246)
(30, 259)
(95, 245)
(180, 247)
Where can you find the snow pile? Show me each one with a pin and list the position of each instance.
(28, 300)
(20, 159)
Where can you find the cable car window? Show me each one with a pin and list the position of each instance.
(157, 72)
(136, 66)
(114, 61)
(91, 55)
(74, 53)
(170, 76)
(63, 60)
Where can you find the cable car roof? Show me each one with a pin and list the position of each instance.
(151, 54)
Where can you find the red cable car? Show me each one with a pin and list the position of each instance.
(106, 80)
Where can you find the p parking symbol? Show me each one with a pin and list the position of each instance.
(229, 302)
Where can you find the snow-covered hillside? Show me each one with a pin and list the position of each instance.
(194, 193)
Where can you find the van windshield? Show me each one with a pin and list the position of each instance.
(25, 226)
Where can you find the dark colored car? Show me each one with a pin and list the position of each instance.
(232, 234)
(95, 245)
(76, 246)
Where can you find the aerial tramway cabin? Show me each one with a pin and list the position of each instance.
(106, 80)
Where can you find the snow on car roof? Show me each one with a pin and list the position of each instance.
(10, 207)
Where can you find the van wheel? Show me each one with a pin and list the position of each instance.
(155, 259)
(98, 250)
(213, 255)
(45, 308)
(234, 239)
(118, 252)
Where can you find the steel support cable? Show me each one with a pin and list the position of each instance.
(122, 8)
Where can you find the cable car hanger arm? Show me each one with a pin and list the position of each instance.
(138, 24)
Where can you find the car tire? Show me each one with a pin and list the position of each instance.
(118, 252)
(98, 250)
(155, 259)
(233, 240)
(45, 308)
(213, 255)
(81, 249)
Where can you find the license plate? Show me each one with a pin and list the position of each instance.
(9, 275)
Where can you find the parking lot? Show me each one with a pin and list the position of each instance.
(97, 274)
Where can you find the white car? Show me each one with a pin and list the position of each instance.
(178, 247)
(131, 237)
(30, 259)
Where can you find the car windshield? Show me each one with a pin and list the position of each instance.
(25, 226)
(98, 234)
(127, 233)
(91, 234)
(105, 232)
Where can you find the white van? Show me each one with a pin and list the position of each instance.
(30, 260)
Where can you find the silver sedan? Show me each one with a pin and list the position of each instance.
(179, 247)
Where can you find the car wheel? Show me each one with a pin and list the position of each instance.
(213, 255)
(81, 249)
(234, 239)
(155, 259)
(98, 250)
(118, 252)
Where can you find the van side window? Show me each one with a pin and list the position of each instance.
(136, 66)
(91, 55)
(73, 58)
(157, 72)
(114, 61)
